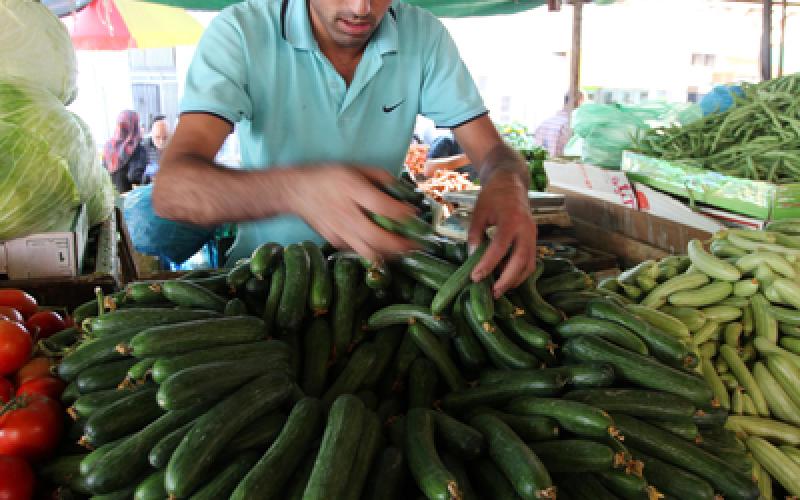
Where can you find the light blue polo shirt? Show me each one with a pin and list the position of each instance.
(259, 65)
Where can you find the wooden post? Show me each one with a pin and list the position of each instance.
(766, 40)
(575, 54)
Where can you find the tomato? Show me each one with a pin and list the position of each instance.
(46, 386)
(11, 314)
(19, 300)
(68, 321)
(30, 427)
(16, 479)
(37, 367)
(44, 323)
(16, 346)
(6, 390)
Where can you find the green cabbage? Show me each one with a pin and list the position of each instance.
(33, 108)
(37, 192)
(36, 46)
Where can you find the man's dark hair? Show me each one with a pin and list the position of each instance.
(155, 119)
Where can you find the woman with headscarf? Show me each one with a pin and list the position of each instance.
(124, 156)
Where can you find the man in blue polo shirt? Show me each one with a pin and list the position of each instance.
(325, 94)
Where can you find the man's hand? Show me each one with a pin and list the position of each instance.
(503, 203)
(334, 201)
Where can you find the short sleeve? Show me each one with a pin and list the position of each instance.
(217, 79)
(449, 95)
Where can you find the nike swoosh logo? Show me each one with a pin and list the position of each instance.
(389, 109)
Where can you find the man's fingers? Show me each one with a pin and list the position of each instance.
(498, 248)
(377, 175)
(514, 269)
(375, 200)
(477, 227)
(383, 242)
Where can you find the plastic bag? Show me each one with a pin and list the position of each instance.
(607, 129)
(720, 98)
(154, 235)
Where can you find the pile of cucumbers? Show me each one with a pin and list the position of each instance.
(737, 307)
(305, 373)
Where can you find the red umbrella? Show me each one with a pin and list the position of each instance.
(129, 24)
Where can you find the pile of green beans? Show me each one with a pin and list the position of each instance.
(758, 138)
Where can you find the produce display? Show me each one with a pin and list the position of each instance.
(308, 373)
(757, 138)
(47, 155)
(738, 306)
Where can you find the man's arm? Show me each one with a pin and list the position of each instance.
(332, 199)
(503, 203)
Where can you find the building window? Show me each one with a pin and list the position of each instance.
(152, 59)
(707, 60)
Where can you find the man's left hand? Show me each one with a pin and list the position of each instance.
(503, 203)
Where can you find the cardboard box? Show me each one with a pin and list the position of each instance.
(660, 204)
(757, 199)
(608, 185)
(46, 255)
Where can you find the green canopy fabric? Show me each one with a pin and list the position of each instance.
(441, 8)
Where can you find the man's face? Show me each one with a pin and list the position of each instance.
(160, 134)
(349, 23)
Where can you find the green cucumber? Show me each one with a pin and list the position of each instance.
(683, 428)
(122, 417)
(139, 372)
(235, 307)
(160, 453)
(239, 275)
(660, 344)
(588, 375)
(778, 432)
(674, 450)
(143, 292)
(423, 459)
(528, 427)
(317, 345)
(642, 370)
(427, 269)
(402, 286)
(689, 316)
(292, 306)
(687, 281)
(352, 377)
(378, 278)
(346, 277)
(368, 446)
(152, 487)
(87, 404)
(458, 468)
(627, 486)
(140, 319)
(276, 284)
(268, 477)
(461, 439)
(703, 296)
(423, 377)
(268, 351)
(91, 353)
(743, 375)
(265, 259)
(541, 383)
(716, 384)
(386, 476)
(519, 464)
(386, 343)
(130, 458)
(96, 456)
(432, 347)
(574, 455)
(779, 402)
(722, 314)
(501, 350)
(533, 301)
(711, 265)
(779, 466)
(570, 281)
(331, 472)
(660, 320)
(578, 486)
(259, 435)
(579, 418)
(609, 330)
(636, 402)
(194, 335)
(399, 314)
(210, 382)
(105, 376)
(490, 482)
(526, 334)
(482, 299)
(297, 483)
(467, 347)
(193, 458)
(188, 294)
(227, 478)
(448, 292)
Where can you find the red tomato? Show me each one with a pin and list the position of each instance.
(30, 427)
(37, 367)
(16, 479)
(11, 314)
(6, 390)
(44, 323)
(19, 300)
(68, 321)
(46, 386)
(16, 346)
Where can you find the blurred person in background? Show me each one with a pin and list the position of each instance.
(155, 145)
(555, 132)
(124, 156)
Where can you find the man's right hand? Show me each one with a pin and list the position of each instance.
(335, 199)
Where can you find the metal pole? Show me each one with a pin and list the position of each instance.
(766, 40)
(783, 38)
(575, 56)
